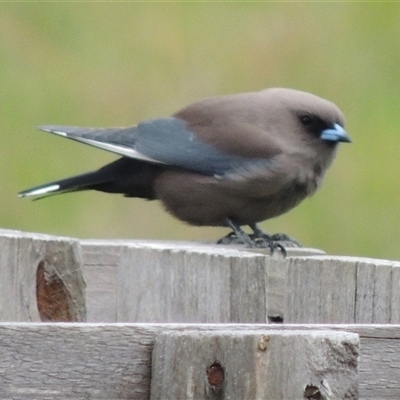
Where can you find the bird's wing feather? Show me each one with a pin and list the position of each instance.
(171, 142)
(161, 141)
(116, 140)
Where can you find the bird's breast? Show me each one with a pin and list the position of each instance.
(248, 197)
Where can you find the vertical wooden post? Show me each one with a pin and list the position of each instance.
(265, 365)
(41, 278)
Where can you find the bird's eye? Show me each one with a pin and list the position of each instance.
(306, 120)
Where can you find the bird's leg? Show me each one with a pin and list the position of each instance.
(237, 236)
(258, 233)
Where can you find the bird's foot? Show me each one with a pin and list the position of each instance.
(273, 242)
(288, 241)
(233, 239)
(253, 241)
(258, 239)
(238, 236)
(265, 241)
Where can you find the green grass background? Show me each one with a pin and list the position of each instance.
(115, 64)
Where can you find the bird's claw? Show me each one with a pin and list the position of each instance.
(258, 239)
(285, 238)
(268, 242)
(278, 237)
(230, 238)
(233, 239)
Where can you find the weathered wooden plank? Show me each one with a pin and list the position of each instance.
(102, 258)
(41, 278)
(277, 281)
(269, 364)
(298, 289)
(101, 293)
(113, 361)
(320, 290)
(374, 291)
(100, 268)
(74, 362)
(327, 289)
(191, 285)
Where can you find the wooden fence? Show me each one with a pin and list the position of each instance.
(167, 320)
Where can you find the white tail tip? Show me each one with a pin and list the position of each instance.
(42, 190)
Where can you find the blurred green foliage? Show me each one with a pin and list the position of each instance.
(115, 64)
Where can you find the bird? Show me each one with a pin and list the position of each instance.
(230, 160)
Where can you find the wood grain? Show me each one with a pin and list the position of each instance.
(333, 289)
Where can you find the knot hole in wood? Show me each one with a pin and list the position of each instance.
(53, 299)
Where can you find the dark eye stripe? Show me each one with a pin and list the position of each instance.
(306, 120)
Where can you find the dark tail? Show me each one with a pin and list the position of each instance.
(127, 176)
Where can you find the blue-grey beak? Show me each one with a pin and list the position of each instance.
(335, 134)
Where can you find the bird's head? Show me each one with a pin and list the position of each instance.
(311, 118)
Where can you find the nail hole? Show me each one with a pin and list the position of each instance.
(216, 375)
(275, 319)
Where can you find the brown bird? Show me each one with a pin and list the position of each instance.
(225, 161)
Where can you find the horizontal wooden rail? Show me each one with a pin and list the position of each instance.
(144, 281)
(114, 361)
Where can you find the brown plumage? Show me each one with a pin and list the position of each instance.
(225, 161)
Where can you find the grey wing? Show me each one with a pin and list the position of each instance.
(161, 141)
(171, 142)
(116, 140)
